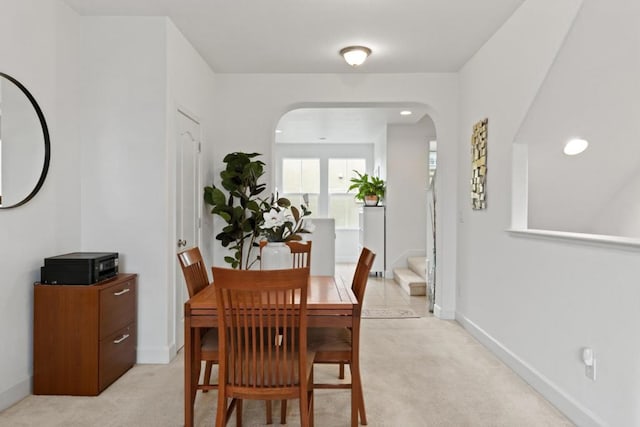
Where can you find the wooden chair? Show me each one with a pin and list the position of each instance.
(197, 278)
(334, 345)
(262, 326)
(301, 257)
(301, 252)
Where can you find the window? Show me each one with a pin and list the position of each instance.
(342, 204)
(301, 177)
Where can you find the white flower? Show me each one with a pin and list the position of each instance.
(273, 219)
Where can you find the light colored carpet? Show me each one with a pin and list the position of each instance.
(416, 372)
(388, 313)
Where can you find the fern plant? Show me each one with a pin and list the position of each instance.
(368, 186)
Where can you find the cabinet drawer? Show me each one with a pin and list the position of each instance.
(117, 355)
(117, 307)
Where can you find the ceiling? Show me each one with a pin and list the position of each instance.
(304, 36)
(346, 125)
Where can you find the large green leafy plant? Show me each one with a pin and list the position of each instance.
(240, 207)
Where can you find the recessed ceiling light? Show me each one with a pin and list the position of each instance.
(278, 130)
(406, 113)
(575, 146)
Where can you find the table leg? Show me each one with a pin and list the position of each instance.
(356, 387)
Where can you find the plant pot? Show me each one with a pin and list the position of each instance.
(276, 256)
(371, 200)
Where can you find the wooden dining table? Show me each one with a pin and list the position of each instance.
(330, 303)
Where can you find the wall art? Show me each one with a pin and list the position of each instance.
(479, 165)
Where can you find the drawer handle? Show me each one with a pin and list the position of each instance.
(122, 338)
(124, 291)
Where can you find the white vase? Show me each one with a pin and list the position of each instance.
(276, 256)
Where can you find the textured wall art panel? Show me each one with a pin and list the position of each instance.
(479, 165)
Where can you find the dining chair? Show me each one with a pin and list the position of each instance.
(196, 279)
(301, 257)
(262, 326)
(334, 345)
(300, 251)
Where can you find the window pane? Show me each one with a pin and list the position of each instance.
(301, 175)
(310, 182)
(341, 172)
(337, 176)
(344, 209)
(297, 200)
(291, 175)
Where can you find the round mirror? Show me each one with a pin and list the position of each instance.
(24, 144)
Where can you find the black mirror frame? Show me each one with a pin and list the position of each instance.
(47, 142)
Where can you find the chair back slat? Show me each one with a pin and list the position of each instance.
(194, 270)
(262, 326)
(301, 252)
(361, 275)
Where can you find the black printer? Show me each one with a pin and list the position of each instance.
(79, 268)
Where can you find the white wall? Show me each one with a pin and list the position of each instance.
(137, 77)
(537, 301)
(620, 215)
(40, 50)
(406, 200)
(250, 105)
(596, 97)
(380, 155)
(124, 161)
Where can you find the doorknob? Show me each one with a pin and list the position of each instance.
(182, 243)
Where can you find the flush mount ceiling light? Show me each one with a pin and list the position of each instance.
(406, 113)
(575, 146)
(355, 55)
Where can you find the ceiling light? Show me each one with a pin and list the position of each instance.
(355, 55)
(575, 146)
(278, 130)
(406, 113)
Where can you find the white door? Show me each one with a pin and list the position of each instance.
(187, 206)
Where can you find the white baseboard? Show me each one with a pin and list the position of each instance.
(172, 351)
(566, 404)
(443, 314)
(15, 393)
(153, 355)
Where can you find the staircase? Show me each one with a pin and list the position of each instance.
(413, 279)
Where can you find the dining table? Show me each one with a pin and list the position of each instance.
(330, 303)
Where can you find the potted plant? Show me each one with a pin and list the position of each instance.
(371, 189)
(240, 207)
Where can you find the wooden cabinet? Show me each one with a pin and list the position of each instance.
(372, 229)
(84, 337)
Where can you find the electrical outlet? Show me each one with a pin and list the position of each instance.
(590, 370)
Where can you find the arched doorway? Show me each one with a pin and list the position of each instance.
(392, 141)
